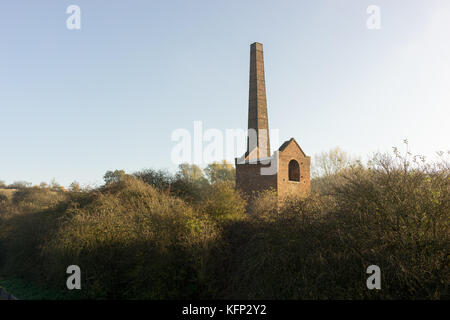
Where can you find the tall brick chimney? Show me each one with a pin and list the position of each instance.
(259, 146)
(287, 171)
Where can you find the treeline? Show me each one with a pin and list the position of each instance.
(53, 185)
(189, 235)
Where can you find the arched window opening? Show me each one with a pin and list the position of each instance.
(294, 171)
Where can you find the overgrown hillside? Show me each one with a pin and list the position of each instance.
(153, 235)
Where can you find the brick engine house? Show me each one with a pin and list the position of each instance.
(287, 170)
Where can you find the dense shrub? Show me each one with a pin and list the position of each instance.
(26, 223)
(30, 199)
(159, 179)
(393, 214)
(188, 184)
(160, 236)
(223, 202)
(130, 241)
(3, 198)
(221, 172)
(264, 203)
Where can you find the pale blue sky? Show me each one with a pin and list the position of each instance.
(74, 104)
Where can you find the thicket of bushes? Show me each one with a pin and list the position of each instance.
(153, 235)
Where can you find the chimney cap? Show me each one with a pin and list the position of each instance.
(256, 45)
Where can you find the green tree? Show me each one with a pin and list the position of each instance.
(223, 202)
(189, 183)
(160, 179)
(190, 172)
(113, 176)
(220, 171)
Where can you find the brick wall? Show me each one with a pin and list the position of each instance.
(286, 187)
(249, 178)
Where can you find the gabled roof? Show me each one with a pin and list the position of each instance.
(288, 142)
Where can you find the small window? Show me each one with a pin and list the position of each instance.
(294, 171)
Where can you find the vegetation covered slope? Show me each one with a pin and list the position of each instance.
(152, 235)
